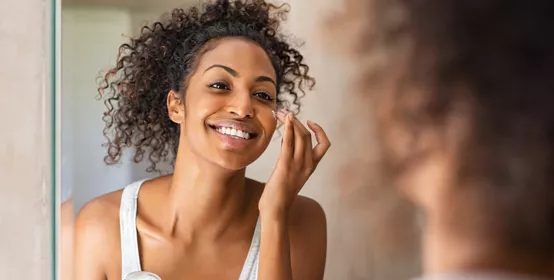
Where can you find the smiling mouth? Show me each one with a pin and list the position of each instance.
(233, 132)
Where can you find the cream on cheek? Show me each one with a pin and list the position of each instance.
(267, 119)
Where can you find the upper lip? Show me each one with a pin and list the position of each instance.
(238, 125)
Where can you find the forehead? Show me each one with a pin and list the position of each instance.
(246, 57)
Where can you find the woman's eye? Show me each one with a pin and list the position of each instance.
(220, 85)
(264, 96)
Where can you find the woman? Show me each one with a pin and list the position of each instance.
(210, 86)
(463, 91)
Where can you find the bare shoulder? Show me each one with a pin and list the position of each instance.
(99, 211)
(307, 211)
(96, 236)
(98, 219)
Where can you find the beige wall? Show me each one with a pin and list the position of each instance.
(25, 100)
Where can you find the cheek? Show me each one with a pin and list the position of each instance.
(198, 109)
(268, 122)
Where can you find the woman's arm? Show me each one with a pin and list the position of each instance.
(295, 247)
(308, 240)
(297, 161)
(275, 260)
(90, 242)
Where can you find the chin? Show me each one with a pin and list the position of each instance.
(233, 163)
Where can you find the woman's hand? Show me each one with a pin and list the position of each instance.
(296, 163)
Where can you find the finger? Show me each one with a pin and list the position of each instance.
(287, 146)
(281, 115)
(323, 143)
(300, 141)
(303, 155)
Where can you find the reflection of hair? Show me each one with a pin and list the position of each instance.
(165, 54)
(496, 56)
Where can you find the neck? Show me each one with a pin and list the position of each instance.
(203, 197)
(459, 247)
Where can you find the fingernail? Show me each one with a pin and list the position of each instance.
(283, 112)
(274, 114)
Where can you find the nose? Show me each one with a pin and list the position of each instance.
(240, 105)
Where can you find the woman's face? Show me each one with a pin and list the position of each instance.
(228, 106)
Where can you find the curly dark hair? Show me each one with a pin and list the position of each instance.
(166, 53)
(496, 59)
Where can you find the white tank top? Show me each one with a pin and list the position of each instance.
(130, 259)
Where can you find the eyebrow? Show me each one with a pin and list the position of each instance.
(228, 69)
(234, 73)
(265, 79)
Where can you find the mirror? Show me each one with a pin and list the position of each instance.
(93, 31)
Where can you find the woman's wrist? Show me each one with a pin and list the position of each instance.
(274, 214)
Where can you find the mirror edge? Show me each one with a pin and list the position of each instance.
(55, 49)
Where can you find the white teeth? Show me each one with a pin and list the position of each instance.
(234, 132)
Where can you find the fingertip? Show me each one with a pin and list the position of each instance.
(290, 118)
(288, 122)
(283, 112)
(313, 125)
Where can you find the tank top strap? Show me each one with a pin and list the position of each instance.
(250, 268)
(130, 258)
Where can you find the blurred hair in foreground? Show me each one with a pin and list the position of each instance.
(468, 84)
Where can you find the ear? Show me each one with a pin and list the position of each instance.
(175, 107)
